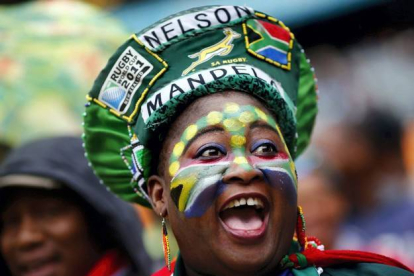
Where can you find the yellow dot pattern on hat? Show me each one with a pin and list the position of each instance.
(232, 124)
(190, 132)
(237, 141)
(214, 117)
(231, 108)
(261, 114)
(240, 160)
(246, 117)
(174, 168)
(178, 148)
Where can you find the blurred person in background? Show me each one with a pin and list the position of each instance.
(321, 195)
(368, 155)
(57, 219)
(50, 52)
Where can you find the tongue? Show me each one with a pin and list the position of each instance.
(242, 218)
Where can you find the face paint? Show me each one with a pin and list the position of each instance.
(194, 187)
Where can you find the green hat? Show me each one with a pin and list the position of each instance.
(162, 69)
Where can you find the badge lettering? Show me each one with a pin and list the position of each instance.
(124, 79)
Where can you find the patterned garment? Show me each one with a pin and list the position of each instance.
(50, 53)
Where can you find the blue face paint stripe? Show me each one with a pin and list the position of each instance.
(281, 180)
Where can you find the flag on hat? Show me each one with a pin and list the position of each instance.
(271, 41)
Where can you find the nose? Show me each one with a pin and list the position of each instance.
(242, 173)
(29, 234)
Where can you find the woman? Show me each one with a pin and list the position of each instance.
(56, 219)
(208, 109)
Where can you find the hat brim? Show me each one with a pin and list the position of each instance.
(28, 181)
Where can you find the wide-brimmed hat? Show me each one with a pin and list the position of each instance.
(159, 71)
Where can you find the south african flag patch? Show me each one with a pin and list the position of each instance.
(269, 41)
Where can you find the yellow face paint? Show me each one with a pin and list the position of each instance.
(178, 148)
(214, 118)
(231, 108)
(246, 117)
(237, 141)
(174, 167)
(190, 132)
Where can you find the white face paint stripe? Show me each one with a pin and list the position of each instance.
(219, 166)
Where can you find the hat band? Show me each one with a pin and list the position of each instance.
(29, 181)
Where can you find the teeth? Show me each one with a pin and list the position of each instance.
(251, 201)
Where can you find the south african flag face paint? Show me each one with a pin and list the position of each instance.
(198, 181)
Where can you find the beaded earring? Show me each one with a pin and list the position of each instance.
(166, 245)
(301, 228)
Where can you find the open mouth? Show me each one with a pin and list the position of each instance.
(245, 216)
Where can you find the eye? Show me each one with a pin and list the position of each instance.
(211, 151)
(264, 148)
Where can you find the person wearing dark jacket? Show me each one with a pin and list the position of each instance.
(57, 219)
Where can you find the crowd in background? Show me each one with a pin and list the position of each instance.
(356, 181)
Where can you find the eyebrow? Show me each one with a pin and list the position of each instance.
(201, 133)
(260, 124)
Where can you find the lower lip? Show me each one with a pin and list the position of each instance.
(47, 269)
(247, 235)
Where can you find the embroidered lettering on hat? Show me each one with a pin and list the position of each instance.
(190, 22)
(187, 84)
(124, 79)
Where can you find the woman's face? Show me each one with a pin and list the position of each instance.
(229, 187)
(45, 233)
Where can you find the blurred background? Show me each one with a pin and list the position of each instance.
(356, 179)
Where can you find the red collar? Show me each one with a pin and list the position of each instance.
(108, 265)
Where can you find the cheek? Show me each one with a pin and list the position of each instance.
(283, 182)
(69, 232)
(280, 174)
(5, 247)
(195, 188)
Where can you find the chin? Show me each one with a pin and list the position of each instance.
(250, 259)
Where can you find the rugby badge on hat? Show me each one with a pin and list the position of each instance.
(272, 42)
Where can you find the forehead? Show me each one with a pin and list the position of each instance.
(13, 197)
(215, 102)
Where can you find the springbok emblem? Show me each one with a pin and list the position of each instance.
(221, 48)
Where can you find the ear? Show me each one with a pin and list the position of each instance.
(157, 194)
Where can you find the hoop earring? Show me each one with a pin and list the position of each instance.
(166, 245)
